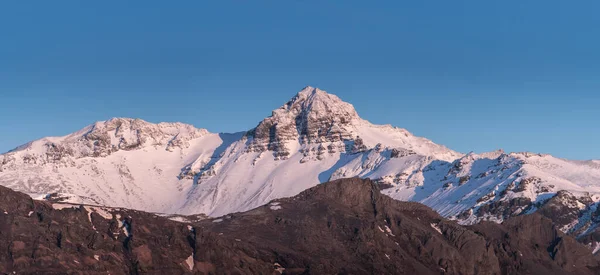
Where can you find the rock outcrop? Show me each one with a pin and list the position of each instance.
(311, 117)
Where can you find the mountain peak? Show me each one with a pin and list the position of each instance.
(316, 102)
(135, 124)
(326, 124)
(103, 138)
(313, 115)
(310, 91)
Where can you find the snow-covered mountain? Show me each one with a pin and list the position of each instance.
(313, 138)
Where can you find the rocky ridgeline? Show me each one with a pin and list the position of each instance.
(490, 187)
(576, 215)
(515, 193)
(102, 139)
(130, 134)
(519, 193)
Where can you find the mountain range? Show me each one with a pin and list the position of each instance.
(176, 168)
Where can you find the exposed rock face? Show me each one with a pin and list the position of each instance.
(400, 153)
(42, 238)
(521, 185)
(312, 116)
(346, 226)
(129, 134)
(577, 216)
(519, 240)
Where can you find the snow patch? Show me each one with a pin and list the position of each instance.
(278, 268)
(61, 206)
(190, 262)
(103, 212)
(275, 206)
(436, 227)
(389, 231)
(179, 219)
(89, 215)
(596, 248)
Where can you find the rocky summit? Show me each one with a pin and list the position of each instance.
(345, 226)
(311, 117)
(178, 169)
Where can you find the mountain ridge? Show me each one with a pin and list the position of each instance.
(343, 226)
(315, 137)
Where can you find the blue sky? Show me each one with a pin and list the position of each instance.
(472, 75)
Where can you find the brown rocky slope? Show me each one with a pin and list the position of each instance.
(345, 226)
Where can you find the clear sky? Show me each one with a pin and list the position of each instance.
(472, 75)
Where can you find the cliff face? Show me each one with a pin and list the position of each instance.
(311, 117)
(345, 226)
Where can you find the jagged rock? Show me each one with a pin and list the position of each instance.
(487, 197)
(104, 138)
(563, 209)
(56, 152)
(358, 146)
(543, 241)
(501, 210)
(527, 182)
(464, 179)
(312, 116)
(399, 153)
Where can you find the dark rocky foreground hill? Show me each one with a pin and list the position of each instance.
(344, 226)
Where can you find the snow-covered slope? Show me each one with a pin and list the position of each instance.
(119, 162)
(460, 188)
(304, 142)
(313, 138)
(176, 168)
